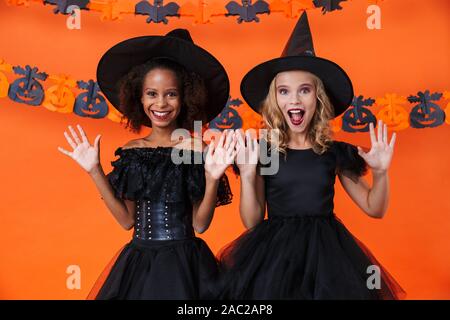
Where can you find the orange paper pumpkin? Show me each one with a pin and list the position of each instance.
(113, 114)
(392, 113)
(250, 119)
(447, 108)
(18, 2)
(336, 124)
(111, 9)
(60, 97)
(4, 84)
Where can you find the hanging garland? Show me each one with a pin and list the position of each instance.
(67, 95)
(202, 11)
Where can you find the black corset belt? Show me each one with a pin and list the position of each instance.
(160, 220)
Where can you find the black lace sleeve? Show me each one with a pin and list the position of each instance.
(224, 194)
(196, 185)
(141, 173)
(348, 161)
(126, 178)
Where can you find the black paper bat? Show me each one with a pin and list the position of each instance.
(247, 11)
(62, 5)
(157, 12)
(328, 5)
(234, 102)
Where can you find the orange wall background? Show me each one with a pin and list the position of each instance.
(51, 215)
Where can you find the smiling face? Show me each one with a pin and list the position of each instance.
(161, 97)
(296, 98)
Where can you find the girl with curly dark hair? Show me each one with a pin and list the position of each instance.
(166, 83)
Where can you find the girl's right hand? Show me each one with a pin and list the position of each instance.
(248, 152)
(87, 156)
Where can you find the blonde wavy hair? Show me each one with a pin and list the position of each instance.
(319, 131)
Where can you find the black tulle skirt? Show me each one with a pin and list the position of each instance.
(146, 269)
(302, 258)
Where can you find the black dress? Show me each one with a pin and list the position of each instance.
(303, 251)
(164, 260)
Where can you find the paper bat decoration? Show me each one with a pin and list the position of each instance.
(247, 11)
(234, 102)
(328, 5)
(62, 5)
(358, 118)
(157, 11)
(426, 114)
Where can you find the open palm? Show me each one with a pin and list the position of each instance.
(248, 152)
(380, 155)
(86, 155)
(221, 154)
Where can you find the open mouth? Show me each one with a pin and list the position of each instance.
(296, 116)
(161, 115)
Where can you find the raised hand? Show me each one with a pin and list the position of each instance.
(221, 154)
(87, 156)
(248, 152)
(380, 155)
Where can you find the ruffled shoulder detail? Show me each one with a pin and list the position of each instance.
(196, 186)
(150, 173)
(348, 161)
(142, 173)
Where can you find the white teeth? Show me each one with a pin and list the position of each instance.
(295, 111)
(161, 114)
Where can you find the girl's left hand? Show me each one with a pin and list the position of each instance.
(220, 155)
(380, 155)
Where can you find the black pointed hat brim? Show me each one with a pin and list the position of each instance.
(122, 57)
(338, 86)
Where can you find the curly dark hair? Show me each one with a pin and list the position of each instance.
(193, 93)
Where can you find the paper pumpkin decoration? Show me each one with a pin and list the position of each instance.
(336, 124)
(251, 119)
(392, 113)
(248, 11)
(228, 118)
(426, 114)
(60, 97)
(90, 103)
(447, 108)
(114, 114)
(27, 89)
(25, 3)
(4, 84)
(358, 117)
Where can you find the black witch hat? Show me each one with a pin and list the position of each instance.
(178, 46)
(299, 55)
